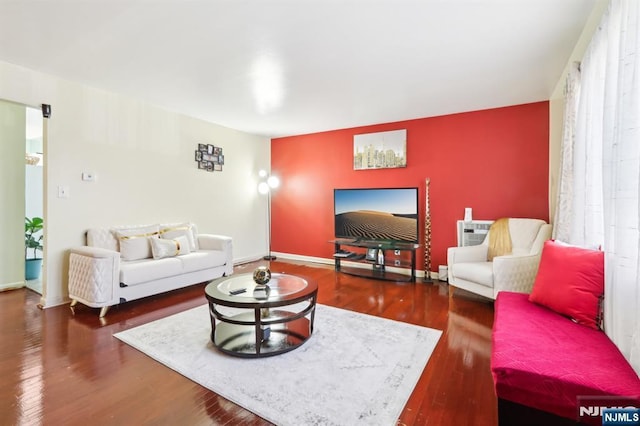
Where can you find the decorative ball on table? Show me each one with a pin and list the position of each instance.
(261, 275)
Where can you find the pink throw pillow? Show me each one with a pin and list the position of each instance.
(570, 281)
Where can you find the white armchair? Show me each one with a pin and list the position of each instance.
(469, 268)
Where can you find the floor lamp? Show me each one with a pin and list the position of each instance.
(268, 184)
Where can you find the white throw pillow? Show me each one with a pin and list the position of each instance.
(170, 232)
(162, 247)
(134, 242)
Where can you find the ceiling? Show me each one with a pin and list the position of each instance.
(287, 67)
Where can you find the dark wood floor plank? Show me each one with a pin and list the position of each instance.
(58, 367)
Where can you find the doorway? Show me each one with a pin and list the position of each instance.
(34, 196)
(16, 195)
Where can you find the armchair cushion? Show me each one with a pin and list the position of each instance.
(570, 281)
(479, 272)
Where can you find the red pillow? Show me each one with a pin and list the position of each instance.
(570, 281)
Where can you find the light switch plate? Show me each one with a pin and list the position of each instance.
(63, 191)
(88, 176)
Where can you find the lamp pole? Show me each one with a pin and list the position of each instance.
(269, 256)
(265, 187)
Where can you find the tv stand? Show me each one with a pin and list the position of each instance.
(394, 254)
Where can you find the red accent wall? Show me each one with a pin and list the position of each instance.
(495, 161)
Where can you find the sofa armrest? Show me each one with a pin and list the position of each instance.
(515, 273)
(96, 252)
(214, 242)
(467, 254)
(218, 242)
(94, 276)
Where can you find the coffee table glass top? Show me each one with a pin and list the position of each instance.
(281, 287)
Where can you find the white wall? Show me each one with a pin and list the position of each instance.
(12, 131)
(143, 158)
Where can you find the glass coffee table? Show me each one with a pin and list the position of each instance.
(249, 320)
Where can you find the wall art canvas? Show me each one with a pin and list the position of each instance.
(382, 150)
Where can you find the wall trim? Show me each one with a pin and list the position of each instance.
(12, 286)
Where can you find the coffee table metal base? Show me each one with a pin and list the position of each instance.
(241, 335)
(262, 340)
(249, 320)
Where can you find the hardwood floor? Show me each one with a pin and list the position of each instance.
(60, 368)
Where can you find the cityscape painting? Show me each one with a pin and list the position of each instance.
(382, 150)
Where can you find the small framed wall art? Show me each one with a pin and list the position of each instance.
(209, 157)
(382, 150)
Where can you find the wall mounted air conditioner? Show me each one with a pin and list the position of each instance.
(472, 233)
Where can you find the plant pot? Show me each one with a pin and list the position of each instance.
(32, 269)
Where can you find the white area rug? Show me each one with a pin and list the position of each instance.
(355, 369)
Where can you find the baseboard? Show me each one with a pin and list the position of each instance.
(322, 260)
(301, 258)
(247, 259)
(12, 286)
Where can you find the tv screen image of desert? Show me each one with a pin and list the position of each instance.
(375, 225)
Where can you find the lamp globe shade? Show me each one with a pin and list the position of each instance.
(263, 188)
(273, 182)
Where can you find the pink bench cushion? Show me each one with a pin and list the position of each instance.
(543, 360)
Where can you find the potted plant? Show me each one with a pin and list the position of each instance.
(33, 265)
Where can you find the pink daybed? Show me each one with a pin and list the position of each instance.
(542, 361)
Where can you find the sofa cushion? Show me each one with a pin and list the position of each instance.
(141, 271)
(543, 360)
(162, 248)
(171, 231)
(202, 259)
(478, 272)
(134, 243)
(570, 281)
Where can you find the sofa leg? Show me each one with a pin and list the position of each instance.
(74, 302)
(103, 311)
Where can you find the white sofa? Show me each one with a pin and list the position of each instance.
(469, 269)
(117, 264)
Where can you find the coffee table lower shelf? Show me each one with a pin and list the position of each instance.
(236, 335)
(375, 274)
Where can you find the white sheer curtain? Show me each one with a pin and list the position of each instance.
(564, 211)
(605, 193)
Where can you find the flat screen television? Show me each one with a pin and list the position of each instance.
(376, 214)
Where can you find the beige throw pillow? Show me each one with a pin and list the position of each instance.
(134, 242)
(170, 232)
(162, 247)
